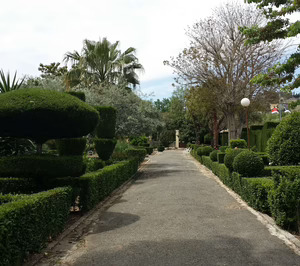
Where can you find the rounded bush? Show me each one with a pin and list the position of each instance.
(229, 157)
(223, 148)
(160, 148)
(214, 155)
(149, 150)
(93, 164)
(72, 146)
(239, 143)
(248, 164)
(79, 94)
(136, 153)
(204, 151)
(283, 147)
(106, 127)
(105, 147)
(41, 114)
(41, 166)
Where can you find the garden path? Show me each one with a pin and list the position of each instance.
(177, 214)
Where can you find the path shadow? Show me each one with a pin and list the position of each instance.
(113, 220)
(222, 250)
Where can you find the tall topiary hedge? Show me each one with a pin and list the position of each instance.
(107, 122)
(41, 114)
(105, 147)
(284, 145)
(238, 143)
(71, 146)
(267, 132)
(79, 94)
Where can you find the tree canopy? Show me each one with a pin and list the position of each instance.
(278, 27)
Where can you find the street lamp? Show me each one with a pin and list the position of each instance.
(245, 102)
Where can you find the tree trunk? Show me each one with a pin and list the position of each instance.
(232, 127)
(216, 130)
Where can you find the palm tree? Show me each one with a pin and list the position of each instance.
(102, 61)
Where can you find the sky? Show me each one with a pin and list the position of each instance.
(35, 31)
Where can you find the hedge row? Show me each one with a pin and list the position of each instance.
(95, 186)
(30, 221)
(279, 196)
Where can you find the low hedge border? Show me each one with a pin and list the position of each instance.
(279, 196)
(139, 153)
(18, 185)
(95, 186)
(28, 223)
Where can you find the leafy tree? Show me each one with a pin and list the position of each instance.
(218, 60)
(102, 61)
(52, 70)
(163, 105)
(135, 117)
(278, 27)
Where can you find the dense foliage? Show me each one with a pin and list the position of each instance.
(43, 114)
(104, 147)
(239, 143)
(71, 146)
(283, 147)
(28, 222)
(229, 157)
(248, 164)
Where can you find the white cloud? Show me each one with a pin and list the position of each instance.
(34, 31)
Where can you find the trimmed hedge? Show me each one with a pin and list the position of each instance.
(93, 164)
(149, 150)
(204, 150)
(256, 137)
(41, 166)
(79, 94)
(264, 157)
(255, 193)
(71, 146)
(140, 154)
(239, 143)
(28, 223)
(221, 157)
(5, 198)
(18, 185)
(95, 186)
(284, 145)
(223, 148)
(283, 170)
(248, 164)
(267, 132)
(160, 148)
(214, 155)
(41, 114)
(106, 127)
(105, 147)
(229, 157)
(284, 199)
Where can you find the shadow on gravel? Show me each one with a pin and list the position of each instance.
(113, 220)
(223, 250)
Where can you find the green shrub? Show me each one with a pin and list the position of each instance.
(93, 164)
(264, 157)
(28, 223)
(106, 127)
(214, 155)
(5, 198)
(41, 167)
(204, 150)
(149, 150)
(95, 186)
(229, 157)
(255, 193)
(248, 164)
(207, 162)
(71, 146)
(282, 170)
(223, 148)
(79, 94)
(284, 199)
(239, 143)
(140, 154)
(220, 157)
(18, 185)
(284, 145)
(267, 132)
(160, 148)
(105, 147)
(41, 114)
(139, 141)
(208, 139)
(224, 139)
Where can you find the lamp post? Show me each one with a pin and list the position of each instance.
(245, 102)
